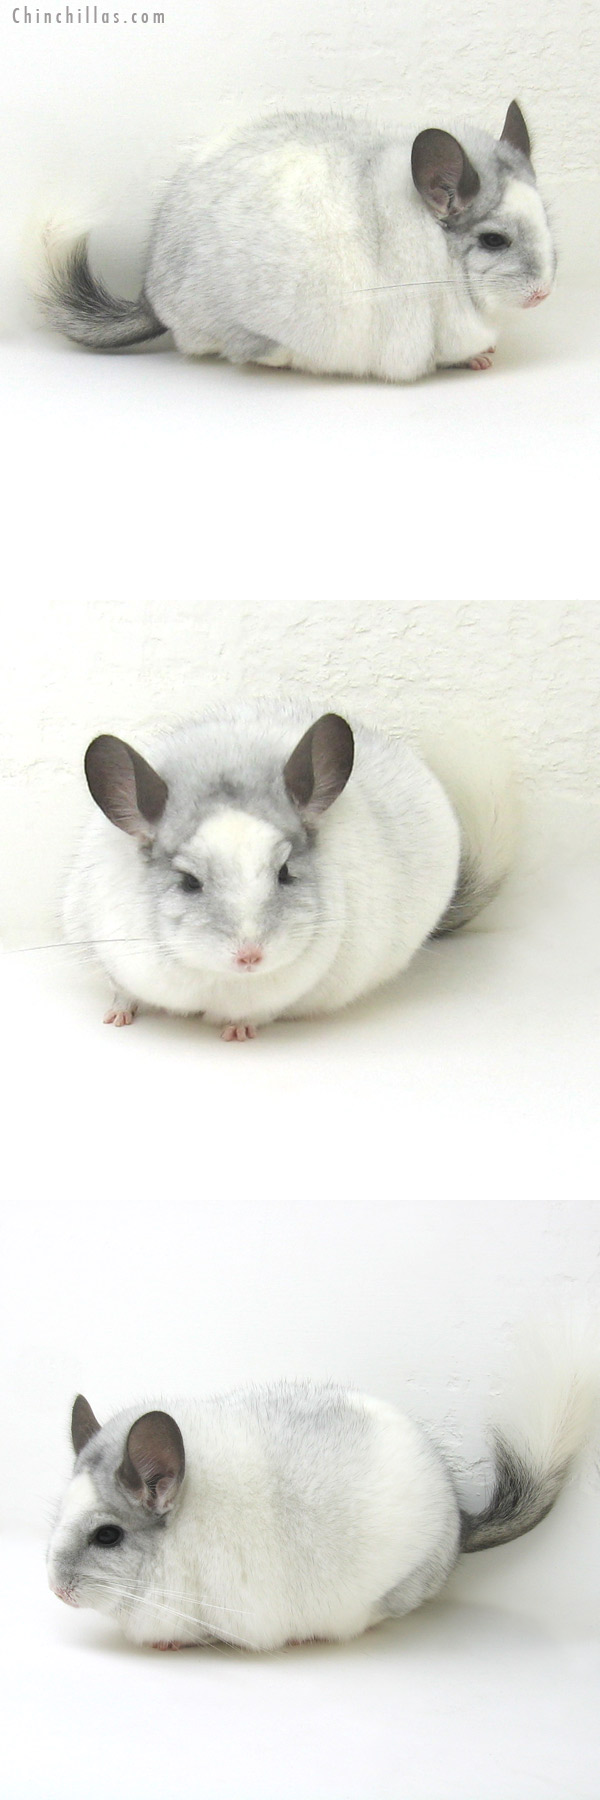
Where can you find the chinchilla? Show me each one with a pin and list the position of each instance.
(319, 242)
(263, 864)
(292, 1512)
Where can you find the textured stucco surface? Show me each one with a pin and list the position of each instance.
(100, 115)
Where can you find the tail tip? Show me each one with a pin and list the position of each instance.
(50, 242)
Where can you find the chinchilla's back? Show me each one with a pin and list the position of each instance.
(271, 242)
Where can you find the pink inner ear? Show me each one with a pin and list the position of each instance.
(154, 1461)
(442, 173)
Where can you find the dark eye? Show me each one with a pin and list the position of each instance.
(108, 1535)
(493, 240)
(284, 876)
(190, 884)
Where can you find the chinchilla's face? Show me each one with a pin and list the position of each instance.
(239, 897)
(109, 1532)
(506, 246)
(227, 839)
(483, 194)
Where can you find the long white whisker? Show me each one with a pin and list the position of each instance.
(393, 286)
(213, 1606)
(174, 1611)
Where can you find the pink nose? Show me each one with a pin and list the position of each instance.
(536, 299)
(249, 956)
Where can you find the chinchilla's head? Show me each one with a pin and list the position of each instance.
(123, 1496)
(483, 193)
(225, 838)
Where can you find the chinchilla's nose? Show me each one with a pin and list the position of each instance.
(63, 1594)
(536, 299)
(248, 956)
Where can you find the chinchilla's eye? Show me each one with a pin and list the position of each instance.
(190, 884)
(284, 876)
(493, 240)
(107, 1535)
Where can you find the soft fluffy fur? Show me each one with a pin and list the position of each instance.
(305, 241)
(293, 1511)
(379, 869)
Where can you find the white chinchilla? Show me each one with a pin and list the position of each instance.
(263, 866)
(318, 242)
(292, 1512)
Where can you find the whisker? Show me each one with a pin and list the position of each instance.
(158, 1606)
(394, 286)
(213, 1605)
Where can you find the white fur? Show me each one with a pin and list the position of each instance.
(488, 808)
(521, 201)
(302, 241)
(81, 1497)
(395, 313)
(366, 1505)
(549, 1408)
(80, 1500)
(387, 855)
(307, 1512)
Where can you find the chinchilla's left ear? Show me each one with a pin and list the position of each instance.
(514, 130)
(83, 1424)
(153, 1463)
(442, 174)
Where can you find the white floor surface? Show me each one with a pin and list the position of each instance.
(149, 466)
(475, 1077)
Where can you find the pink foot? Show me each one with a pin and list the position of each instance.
(120, 1015)
(173, 1646)
(484, 361)
(238, 1034)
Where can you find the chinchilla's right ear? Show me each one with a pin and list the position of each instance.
(124, 786)
(319, 767)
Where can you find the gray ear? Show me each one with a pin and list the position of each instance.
(442, 173)
(83, 1424)
(320, 766)
(124, 786)
(514, 131)
(153, 1464)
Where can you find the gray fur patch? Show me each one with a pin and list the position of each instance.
(470, 896)
(76, 302)
(520, 1499)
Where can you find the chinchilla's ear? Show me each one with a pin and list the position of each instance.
(442, 173)
(514, 131)
(124, 786)
(83, 1424)
(319, 767)
(153, 1463)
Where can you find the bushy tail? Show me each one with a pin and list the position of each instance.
(547, 1422)
(75, 302)
(479, 781)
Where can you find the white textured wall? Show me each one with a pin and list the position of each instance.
(123, 660)
(93, 111)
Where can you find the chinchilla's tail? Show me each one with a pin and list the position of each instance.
(75, 302)
(546, 1420)
(479, 781)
